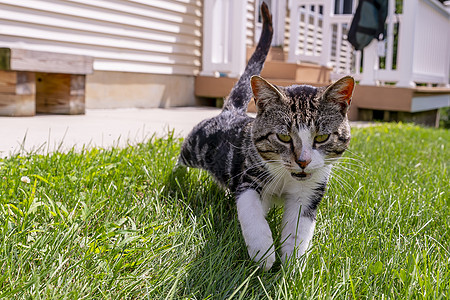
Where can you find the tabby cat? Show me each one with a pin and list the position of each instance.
(282, 156)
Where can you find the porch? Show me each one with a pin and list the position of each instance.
(405, 77)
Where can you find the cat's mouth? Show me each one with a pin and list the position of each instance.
(300, 175)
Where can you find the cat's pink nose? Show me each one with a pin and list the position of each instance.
(304, 158)
(303, 163)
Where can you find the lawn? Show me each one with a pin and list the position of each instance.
(117, 224)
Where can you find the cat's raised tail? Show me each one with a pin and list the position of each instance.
(241, 94)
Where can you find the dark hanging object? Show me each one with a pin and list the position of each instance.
(368, 23)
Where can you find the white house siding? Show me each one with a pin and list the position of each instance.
(138, 36)
(160, 37)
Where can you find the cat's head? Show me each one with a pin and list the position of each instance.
(300, 127)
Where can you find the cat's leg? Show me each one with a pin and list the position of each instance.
(255, 229)
(298, 229)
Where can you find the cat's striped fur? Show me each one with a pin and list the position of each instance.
(284, 155)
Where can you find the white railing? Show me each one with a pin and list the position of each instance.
(421, 34)
(423, 49)
(322, 37)
(425, 30)
(343, 58)
(417, 42)
(306, 31)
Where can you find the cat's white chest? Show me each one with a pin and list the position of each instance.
(286, 188)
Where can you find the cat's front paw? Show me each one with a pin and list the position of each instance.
(263, 254)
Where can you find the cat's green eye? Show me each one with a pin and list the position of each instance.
(284, 137)
(321, 138)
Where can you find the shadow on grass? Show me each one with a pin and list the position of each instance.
(221, 267)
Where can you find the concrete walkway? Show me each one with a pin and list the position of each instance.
(98, 127)
(103, 128)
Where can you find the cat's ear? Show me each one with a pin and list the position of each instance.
(341, 92)
(263, 91)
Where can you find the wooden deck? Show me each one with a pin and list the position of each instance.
(389, 103)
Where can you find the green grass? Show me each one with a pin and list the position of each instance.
(115, 224)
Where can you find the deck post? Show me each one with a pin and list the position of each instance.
(293, 30)
(238, 46)
(326, 35)
(370, 64)
(406, 44)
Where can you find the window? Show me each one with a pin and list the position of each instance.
(343, 7)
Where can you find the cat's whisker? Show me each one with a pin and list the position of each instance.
(266, 180)
(261, 179)
(359, 156)
(350, 166)
(342, 173)
(346, 164)
(345, 158)
(343, 161)
(255, 166)
(277, 173)
(353, 160)
(337, 183)
(341, 181)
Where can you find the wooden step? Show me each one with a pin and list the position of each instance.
(394, 98)
(419, 105)
(279, 69)
(213, 87)
(303, 72)
(276, 70)
(275, 54)
(220, 87)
